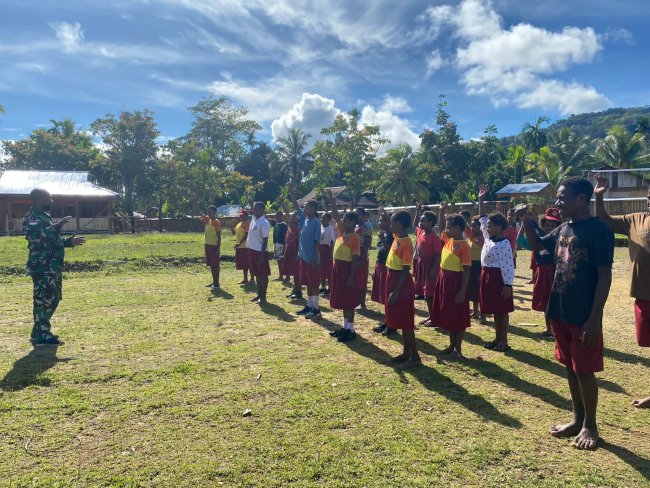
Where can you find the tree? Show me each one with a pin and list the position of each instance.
(517, 160)
(62, 147)
(621, 149)
(131, 154)
(221, 129)
(572, 151)
(293, 160)
(260, 163)
(398, 180)
(549, 168)
(533, 136)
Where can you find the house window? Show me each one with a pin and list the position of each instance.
(60, 211)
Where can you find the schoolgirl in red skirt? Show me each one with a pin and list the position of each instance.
(378, 293)
(242, 261)
(291, 263)
(450, 307)
(429, 247)
(545, 271)
(400, 288)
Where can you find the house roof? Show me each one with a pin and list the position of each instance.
(525, 189)
(228, 210)
(58, 183)
(341, 196)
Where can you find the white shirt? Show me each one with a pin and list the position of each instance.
(497, 255)
(327, 235)
(259, 230)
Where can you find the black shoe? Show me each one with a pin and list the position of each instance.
(337, 332)
(304, 311)
(295, 295)
(379, 329)
(419, 297)
(347, 335)
(210, 285)
(46, 340)
(322, 290)
(314, 313)
(388, 332)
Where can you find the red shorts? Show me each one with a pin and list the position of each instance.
(570, 351)
(326, 261)
(241, 258)
(309, 277)
(257, 269)
(642, 319)
(212, 258)
(400, 315)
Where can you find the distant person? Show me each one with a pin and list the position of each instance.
(584, 252)
(291, 261)
(512, 233)
(429, 248)
(384, 242)
(476, 242)
(257, 243)
(279, 241)
(240, 230)
(364, 231)
(636, 227)
(45, 263)
(326, 248)
(212, 244)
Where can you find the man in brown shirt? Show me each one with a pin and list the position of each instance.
(636, 227)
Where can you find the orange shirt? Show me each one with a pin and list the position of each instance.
(455, 254)
(346, 245)
(400, 255)
(212, 228)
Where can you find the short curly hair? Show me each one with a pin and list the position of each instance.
(403, 218)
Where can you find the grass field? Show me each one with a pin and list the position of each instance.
(151, 386)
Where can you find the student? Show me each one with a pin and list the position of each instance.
(429, 247)
(257, 243)
(511, 233)
(584, 251)
(466, 214)
(212, 244)
(545, 267)
(291, 261)
(497, 274)
(400, 304)
(385, 241)
(636, 227)
(241, 251)
(327, 238)
(343, 285)
(450, 308)
(279, 239)
(308, 253)
(364, 231)
(475, 242)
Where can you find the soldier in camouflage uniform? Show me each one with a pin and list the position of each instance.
(45, 263)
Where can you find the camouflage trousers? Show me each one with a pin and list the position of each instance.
(47, 295)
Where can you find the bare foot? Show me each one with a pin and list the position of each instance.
(586, 440)
(456, 355)
(566, 430)
(448, 350)
(262, 301)
(255, 299)
(424, 322)
(413, 362)
(399, 359)
(243, 282)
(546, 333)
(643, 403)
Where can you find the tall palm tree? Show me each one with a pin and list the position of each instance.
(549, 168)
(572, 151)
(294, 161)
(399, 183)
(533, 136)
(621, 149)
(517, 160)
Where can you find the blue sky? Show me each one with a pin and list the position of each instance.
(298, 63)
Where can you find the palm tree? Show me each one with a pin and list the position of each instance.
(621, 149)
(549, 168)
(294, 161)
(533, 136)
(399, 183)
(517, 159)
(572, 151)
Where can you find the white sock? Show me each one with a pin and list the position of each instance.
(351, 326)
(315, 301)
(345, 323)
(309, 302)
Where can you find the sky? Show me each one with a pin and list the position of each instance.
(300, 63)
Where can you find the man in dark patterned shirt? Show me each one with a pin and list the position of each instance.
(45, 263)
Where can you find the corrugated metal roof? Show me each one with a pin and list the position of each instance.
(523, 188)
(58, 183)
(228, 210)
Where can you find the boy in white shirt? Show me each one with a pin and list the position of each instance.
(327, 238)
(257, 243)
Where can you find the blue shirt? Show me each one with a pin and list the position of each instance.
(309, 237)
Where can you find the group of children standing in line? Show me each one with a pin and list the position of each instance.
(465, 260)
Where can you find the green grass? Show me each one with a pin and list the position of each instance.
(151, 386)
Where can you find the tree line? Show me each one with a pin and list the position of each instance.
(222, 160)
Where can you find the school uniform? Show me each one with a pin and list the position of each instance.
(291, 261)
(498, 270)
(242, 260)
(429, 247)
(474, 287)
(259, 230)
(400, 315)
(364, 230)
(210, 239)
(343, 297)
(307, 247)
(327, 238)
(378, 293)
(445, 312)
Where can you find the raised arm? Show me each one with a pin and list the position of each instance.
(602, 185)
(329, 197)
(292, 195)
(441, 217)
(536, 244)
(418, 214)
(482, 192)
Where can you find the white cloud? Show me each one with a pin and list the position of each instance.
(434, 62)
(510, 65)
(69, 35)
(396, 105)
(311, 114)
(393, 127)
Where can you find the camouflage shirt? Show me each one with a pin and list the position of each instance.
(45, 243)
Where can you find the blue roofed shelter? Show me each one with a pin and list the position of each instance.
(519, 190)
(89, 205)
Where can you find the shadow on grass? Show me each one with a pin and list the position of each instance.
(370, 314)
(220, 293)
(642, 465)
(27, 370)
(429, 378)
(277, 311)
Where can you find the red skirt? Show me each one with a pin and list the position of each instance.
(343, 297)
(309, 276)
(533, 261)
(362, 274)
(474, 286)
(642, 320)
(401, 315)
(326, 261)
(423, 279)
(291, 262)
(542, 286)
(491, 287)
(212, 258)
(257, 269)
(242, 260)
(445, 312)
(379, 284)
